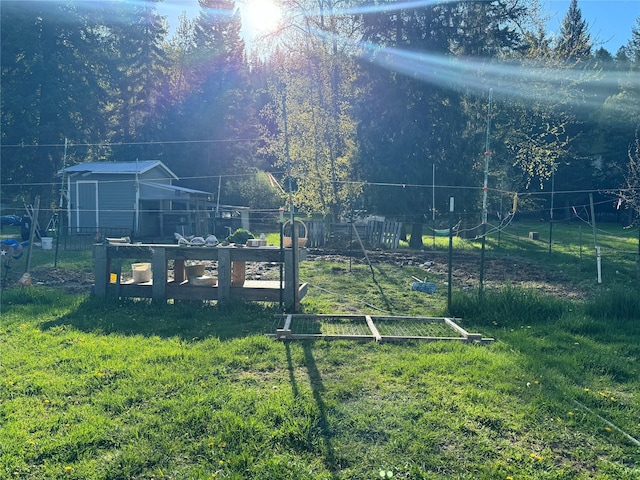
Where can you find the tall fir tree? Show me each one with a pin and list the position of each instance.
(215, 111)
(52, 89)
(574, 43)
(137, 64)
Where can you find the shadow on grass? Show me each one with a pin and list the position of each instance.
(317, 387)
(190, 321)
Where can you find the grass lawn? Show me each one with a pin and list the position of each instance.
(132, 390)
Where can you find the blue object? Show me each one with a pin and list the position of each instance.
(11, 220)
(12, 247)
(424, 287)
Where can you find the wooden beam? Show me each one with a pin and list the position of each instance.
(373, 328)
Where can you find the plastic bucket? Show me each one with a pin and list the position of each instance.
(141, 272)
(194, 271)
(47, 243)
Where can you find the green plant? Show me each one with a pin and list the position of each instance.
(508, 306)
(240, 236)
(615, 304)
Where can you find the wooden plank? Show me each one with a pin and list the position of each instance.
(142, 252)
(456, 327)
(178, 271)
(224, 274)
(190, 292)
(302, 291)
(133, 290)
(287, 323)
(393, 338)
(159, 272)
(410, 318)
(373, 328)
(284, 332)
(101, 270)
(321, 336)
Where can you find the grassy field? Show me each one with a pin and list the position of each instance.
(132, 390)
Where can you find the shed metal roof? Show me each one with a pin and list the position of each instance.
(177, 188)
(126, 168)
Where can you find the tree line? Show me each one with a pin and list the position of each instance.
(356, 107)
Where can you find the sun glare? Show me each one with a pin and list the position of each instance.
(261, 16)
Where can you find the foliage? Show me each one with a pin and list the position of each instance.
(240, 236)
(412, 118)
(312, 92)
(574, 43)
(631, 192)
(256, 191)
(507, 303)
(374, 98)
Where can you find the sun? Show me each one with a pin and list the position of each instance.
(260, 17)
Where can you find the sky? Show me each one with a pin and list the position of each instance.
(610, 21)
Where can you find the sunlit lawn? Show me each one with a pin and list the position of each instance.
(132, 390)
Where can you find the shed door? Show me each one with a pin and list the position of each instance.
(87, 206)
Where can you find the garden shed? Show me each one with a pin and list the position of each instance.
(134, 198)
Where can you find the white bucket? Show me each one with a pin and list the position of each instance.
(47, 243)
(141, 272)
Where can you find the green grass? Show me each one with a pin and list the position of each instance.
(135, 390)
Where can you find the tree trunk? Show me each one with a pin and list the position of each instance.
(416, 237)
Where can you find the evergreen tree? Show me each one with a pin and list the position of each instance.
(52, 89)
(215, 112)
(574, 44)
(136, 60)
(619, 119)
(415, 117)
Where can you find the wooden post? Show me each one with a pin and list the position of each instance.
(224, 274)
(238, 273)
(178, 271)
(159, 271)
(101, 270)
(449, 274)
(291, 279)
(32, 233)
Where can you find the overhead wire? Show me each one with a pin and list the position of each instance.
(128, 144)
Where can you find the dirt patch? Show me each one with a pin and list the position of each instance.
(465, 272)
(71, 281)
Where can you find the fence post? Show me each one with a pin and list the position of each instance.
(451, 208)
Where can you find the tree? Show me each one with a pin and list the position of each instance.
(52, 89)
(133, 41)
(619, 116)
(215, 115)
(416, 113)
(631, 186)
(313, 87)
(575, 42)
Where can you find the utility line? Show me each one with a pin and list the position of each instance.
(128, 144)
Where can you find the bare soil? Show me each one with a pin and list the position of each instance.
(465, 273)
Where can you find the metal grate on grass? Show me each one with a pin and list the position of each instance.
(414, 327)
(380, 328)
(328, 325)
